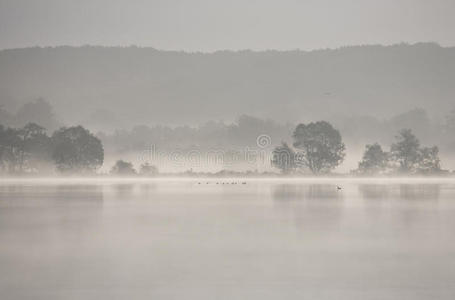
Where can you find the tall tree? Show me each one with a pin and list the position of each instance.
(374, 160)
(321, 146)
(25, 149)
(429, 160)
(37, 148)
(77, 150)
(284, 158)
(406, 151)
(11, 149)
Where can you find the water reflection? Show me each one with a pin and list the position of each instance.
(420, 191)
(130, 191)
(55, 211)
(123, 190)
(147, 188)
(374, 191)
(406, 205)
(298, 192)
(63, 194)
(401, 191)
(313, 206)
(265, 240)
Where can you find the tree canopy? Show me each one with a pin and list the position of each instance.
(123, 168)
(147, 169)
(77, 150)
(374, 160)
(320, 145)
(284, 158)
(405, 157)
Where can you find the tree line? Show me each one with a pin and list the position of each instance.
(235, 135)
(318, 149)
(69, 150)
(30, 150)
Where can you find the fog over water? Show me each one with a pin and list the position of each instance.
(196, 239)
(227, 149)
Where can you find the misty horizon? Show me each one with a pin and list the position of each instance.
(404, 76)
(208, 26)
(227, 149)
(132, 96)
(233, 50)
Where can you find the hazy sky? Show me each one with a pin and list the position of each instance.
(209, 25)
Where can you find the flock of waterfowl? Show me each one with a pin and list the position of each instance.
(243, 182)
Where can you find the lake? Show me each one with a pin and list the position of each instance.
(196, 239)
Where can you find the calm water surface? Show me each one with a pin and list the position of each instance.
(267, 239)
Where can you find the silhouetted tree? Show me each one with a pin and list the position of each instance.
(284, 158)
(147, 169)
(406, 151)
(374, 160)
(24, 149)
(3, 148)
(77, 150)
(123, 168)
(413, 159)
(11, 149)
(321, 146)
(37, 147)
(429, 162)
(23, 140)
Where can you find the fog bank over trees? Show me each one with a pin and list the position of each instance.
(114, 87)
(134, 98)
(30, 150)
(234, 137)
(317, 149)
(357, 131)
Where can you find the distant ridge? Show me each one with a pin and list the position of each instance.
(146, 85)
(246, 50)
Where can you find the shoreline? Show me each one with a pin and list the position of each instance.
(101, 179)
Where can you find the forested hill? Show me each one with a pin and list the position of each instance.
(146, 86)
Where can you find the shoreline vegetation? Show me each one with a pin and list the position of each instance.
(203, 175)
(316, 151)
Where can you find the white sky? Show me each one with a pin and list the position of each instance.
(208, 25)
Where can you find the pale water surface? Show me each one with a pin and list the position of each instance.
(267, 239)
